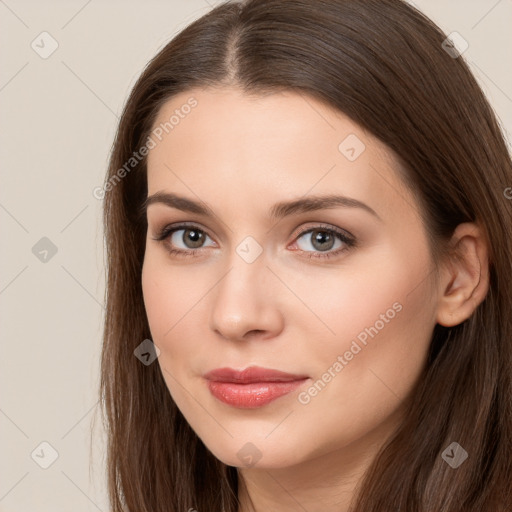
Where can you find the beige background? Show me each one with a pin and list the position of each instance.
(58, 119)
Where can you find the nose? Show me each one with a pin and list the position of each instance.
(245, 304)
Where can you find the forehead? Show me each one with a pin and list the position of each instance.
(276, 146)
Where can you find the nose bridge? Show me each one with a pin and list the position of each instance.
(245, 298)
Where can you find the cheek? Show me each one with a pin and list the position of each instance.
(174, 296)
(169, 299)
(158, 291)
(361, 375)
(381, 321)
(169, 291)
(370, 292)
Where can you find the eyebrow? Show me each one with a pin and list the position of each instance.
(276, 212)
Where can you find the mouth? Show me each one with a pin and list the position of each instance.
(253, 387)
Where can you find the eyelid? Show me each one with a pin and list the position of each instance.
(327, 227)
(171, 228)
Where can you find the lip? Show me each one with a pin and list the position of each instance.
(253, 387)
(250, 375)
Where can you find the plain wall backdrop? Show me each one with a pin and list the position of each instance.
(59, 113)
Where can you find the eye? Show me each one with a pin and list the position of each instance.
(319, 241)
(183, 240)
(324, 239)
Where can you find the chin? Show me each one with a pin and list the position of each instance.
(253, 452)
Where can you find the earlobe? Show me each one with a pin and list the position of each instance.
(465, 275)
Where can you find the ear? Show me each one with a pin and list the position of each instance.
(465, 275)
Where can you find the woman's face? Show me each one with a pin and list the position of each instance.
(339, 295)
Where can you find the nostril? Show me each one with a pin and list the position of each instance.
(254, 332)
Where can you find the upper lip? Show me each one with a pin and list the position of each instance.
(251, 374)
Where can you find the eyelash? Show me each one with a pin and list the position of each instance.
(349, 242)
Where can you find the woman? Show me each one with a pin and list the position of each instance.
(309, 282)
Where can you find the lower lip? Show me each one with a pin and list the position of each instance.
(253, 395)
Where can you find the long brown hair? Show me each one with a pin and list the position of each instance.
(383, 64)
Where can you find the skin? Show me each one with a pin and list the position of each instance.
(241, 154)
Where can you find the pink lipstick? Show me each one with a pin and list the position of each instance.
(252, 387)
